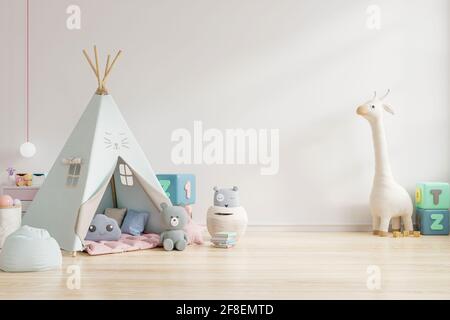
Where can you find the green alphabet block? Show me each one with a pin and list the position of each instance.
(433, 195)
(433, 222)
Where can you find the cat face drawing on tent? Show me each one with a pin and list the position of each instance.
(116, 141)
(100, 151)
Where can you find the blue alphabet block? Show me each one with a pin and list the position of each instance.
(433, 222)
(180, 188)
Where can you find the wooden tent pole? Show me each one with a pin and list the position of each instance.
(101, 81)
(97, 68)
(106, 69)
(89, 61)
(112, 65)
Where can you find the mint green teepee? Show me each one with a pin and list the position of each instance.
(100, 166)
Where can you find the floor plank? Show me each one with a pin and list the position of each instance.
(264, 265)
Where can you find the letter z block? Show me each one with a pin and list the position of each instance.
(433, 195)
(433, 222)
(180, 188)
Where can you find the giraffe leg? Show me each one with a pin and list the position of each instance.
(396, 225)
(407, 223)
(384, 227)
(375, 224)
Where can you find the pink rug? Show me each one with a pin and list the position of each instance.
(125, 243)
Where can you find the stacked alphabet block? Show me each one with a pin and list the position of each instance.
(180, 189)
(432, 207)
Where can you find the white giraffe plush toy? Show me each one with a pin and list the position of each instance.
(388, 199)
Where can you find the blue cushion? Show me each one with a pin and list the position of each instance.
(134, 222)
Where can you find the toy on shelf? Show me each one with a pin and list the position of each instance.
(6, 201)
(10, 216)
(180, 189)
(227, 215)
(432, 207)
(38, 179)
(24, 179)
(389, 201)
(175, 219)
(11, 177)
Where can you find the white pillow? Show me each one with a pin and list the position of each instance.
(30, 249)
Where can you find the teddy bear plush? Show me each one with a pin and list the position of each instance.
(174, 220)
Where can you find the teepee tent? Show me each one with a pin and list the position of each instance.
(100, 166)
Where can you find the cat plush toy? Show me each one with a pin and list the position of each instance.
(228, 198)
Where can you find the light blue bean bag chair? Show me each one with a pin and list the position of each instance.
(30, 249)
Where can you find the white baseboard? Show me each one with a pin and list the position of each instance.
(311, 228)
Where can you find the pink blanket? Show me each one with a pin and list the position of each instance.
(125, 243)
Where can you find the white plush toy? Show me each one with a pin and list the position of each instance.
(388, 199)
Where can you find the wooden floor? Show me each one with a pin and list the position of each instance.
(264, 265)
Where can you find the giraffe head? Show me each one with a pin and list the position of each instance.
(372, 110)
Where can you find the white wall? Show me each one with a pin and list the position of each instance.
(298, 65)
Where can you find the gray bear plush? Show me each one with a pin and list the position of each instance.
(228, 198)
(174, 220)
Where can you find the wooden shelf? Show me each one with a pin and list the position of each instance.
(4, 187)
(24, 194)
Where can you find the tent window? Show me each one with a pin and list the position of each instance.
(126, 175)
(74, 174)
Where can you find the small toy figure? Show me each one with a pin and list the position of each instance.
(6, 201)
(11, 178)
(24, 179)
(174, 220)
(28, 179)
